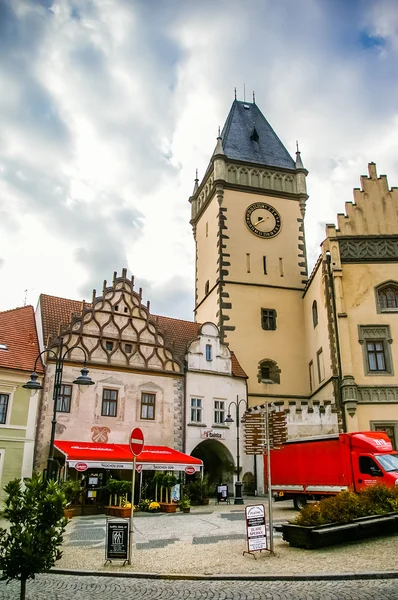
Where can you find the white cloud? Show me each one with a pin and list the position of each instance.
(110, 107)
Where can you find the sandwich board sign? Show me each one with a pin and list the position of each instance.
(256, 533)
(117, 540)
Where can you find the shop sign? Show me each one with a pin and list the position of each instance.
(80, 466)
(211, 434)
(117, 539)
(190, 470)
(255, 528)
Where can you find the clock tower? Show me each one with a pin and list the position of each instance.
(251, 268)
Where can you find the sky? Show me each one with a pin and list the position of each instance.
(107, 107)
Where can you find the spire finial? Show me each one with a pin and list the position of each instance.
(196, 184)
(244, 92)
(299, 162)
(235, 93)
(219, 132)
(254, 98)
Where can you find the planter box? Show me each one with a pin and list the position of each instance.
(118, 511)
(335, 533)
(169, 507)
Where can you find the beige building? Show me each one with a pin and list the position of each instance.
(319, 347)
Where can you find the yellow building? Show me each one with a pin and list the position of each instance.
(304, 342)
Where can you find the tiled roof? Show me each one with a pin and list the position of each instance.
(18, 333)
(178, 331)
(248, 136)
(56, 310)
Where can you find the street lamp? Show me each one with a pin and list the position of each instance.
(82, 381)
(229, 419)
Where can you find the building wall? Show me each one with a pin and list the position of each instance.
(85, 422)
(17, 435)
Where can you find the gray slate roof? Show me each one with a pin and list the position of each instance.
(248, 136)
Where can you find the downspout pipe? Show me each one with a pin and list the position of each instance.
(336, 328)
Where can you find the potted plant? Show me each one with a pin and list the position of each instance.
(118, 504)
(344, 518)
(166, 481)
(72, 490)
(185, 504)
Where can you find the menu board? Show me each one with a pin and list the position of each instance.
(256, 532)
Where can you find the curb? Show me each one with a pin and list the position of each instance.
(233, 577)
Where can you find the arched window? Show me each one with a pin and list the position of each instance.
(387, 297)
(315, 313)
(207, 286)
(268, 371)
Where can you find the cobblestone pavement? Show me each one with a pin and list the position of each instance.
(68, 587)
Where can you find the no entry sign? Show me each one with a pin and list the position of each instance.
(136, 441)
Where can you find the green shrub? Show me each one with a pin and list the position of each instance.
(347, 506)
(72, 490)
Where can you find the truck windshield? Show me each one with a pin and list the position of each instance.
(389, 462)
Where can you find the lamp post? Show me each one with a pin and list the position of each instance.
(82, 381)
(229, 419)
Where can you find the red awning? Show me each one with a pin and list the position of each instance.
(87, 455)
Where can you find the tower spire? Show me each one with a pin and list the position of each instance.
(196, 184)
(219, 147)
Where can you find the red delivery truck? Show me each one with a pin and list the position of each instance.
(312, 468)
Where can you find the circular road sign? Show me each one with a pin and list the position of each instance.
(138, 468)
(190, 470)
(136, 441)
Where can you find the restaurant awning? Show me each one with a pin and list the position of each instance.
(92, 455)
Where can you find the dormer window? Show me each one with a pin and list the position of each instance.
(208, 351)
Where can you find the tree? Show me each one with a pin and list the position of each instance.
(35, 511)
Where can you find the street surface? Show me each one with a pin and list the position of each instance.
(68, 587)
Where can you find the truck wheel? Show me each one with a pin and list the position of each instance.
(299, 501)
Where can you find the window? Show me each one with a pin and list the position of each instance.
(207, 229)
(116, 307)
(196, 410)
(109, 403)
(315, 313)
(109, 345)
(207, 286)
(387, 297)
(64, 398)
(367, 466)
(376, 357)
(268, 318)
(265, 264)
(208, 351)
(128, 348)
(321, 365)
(376, 347)
(219, 411)
(148, 406)
(248, 263)
(311, 371)
(268, 372)
(4, 398)
(281, 267)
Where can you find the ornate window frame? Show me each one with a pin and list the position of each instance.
(380, 333)
(380, 287)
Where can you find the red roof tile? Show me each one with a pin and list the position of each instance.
(18, 333)
(55, 311)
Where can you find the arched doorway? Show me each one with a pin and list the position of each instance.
(217, 461)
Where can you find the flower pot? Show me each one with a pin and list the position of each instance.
(118, 511)
(336, 533)
(68, 513)
(169, 507)
(187, 509)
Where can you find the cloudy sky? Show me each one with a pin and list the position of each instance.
(108, 106)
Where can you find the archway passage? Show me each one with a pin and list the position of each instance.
(218, 462)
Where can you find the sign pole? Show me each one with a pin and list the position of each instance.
(270, 516)
(132, 511)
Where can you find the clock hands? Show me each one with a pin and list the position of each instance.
(261, 219)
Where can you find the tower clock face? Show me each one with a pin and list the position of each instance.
(263, 220)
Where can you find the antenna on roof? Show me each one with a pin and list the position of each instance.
(26, 296)
(244, 92)
(235, 93)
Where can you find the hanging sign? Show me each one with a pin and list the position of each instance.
(117, 539)
(255, 528)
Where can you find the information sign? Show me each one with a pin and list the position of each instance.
(117, 539)
(255, 528)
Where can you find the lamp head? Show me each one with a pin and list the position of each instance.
(229, 419)
(33, 385)
(83, 381)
